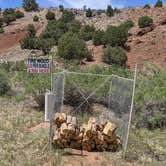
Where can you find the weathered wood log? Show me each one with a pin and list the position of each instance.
(76, 144)
(59, 118)
(69, 119)
(109, 129)
(63, 130)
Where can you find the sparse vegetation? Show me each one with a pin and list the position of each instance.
(115, 55)
(30, 5)
(50, 15)
(159, 3)
(1, 22)
(1, 30)
(145, 21)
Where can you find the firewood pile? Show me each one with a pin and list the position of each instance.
(92, 136)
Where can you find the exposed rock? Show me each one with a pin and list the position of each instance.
(138, 41)
(162, 22)
(145, 30)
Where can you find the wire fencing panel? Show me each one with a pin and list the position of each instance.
(83, 90)
(58, 93)
(120, 104)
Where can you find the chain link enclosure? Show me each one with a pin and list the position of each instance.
(107, 97)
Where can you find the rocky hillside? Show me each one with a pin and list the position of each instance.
(147, 44)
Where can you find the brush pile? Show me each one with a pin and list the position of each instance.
(93, 136)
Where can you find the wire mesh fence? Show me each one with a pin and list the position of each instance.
(107, 97)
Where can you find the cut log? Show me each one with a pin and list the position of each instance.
(57, 139)
(69, 119)
(63, 130)
(59, 118)
(109, 129)
(111, 138)
(76, 144)
(74, 121)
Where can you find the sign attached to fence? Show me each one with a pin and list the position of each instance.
(38, 65)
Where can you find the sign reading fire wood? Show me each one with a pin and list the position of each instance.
(38, 65)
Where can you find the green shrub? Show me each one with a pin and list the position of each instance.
(86, 32)
(9, 11)
(30, 5)
(1, 30)
(146, 6)
(98, 38)
(145, 21)
(36, 18)
(128, 24)
(70, 46)
(68, 16)
(31, 30)
(19, 14)
(5, 66)
(50, 15)
(159, 3)
(4, 84)
(46, 45)
(36, 85)
(1, 22)
(54, 30)
(61, 8)
(37, 43)
(9, 16)
(89, 13)
(115, 36)
(151, 86)
(27, 43)
(19, 66)
(8, 19)
(115, 55)
(110, 11)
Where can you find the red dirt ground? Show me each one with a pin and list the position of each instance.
(9, 40)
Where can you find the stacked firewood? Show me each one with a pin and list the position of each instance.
(92, 136)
